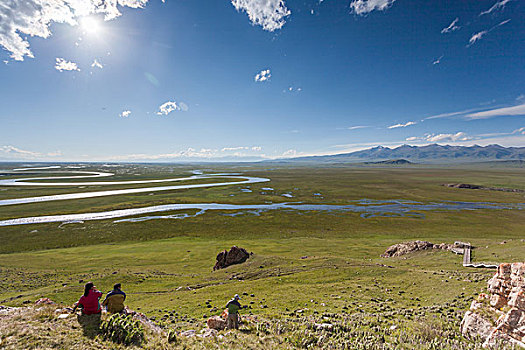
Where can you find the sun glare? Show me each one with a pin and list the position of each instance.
(90, 25)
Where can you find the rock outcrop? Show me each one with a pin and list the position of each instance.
(216, 322)
(480, 187)
(499, 317)
(415, 246)
(234, 256)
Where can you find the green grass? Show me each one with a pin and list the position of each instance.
(165, 266)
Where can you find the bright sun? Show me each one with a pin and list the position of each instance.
(90, 25)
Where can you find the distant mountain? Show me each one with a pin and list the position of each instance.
(423, 154)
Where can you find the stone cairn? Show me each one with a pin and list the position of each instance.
(499, 316)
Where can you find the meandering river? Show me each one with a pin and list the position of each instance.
(365, 207)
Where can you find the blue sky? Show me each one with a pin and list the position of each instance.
(256, 79)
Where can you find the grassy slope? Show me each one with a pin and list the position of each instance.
(343, 271)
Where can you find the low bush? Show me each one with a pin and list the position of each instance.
(122, 329)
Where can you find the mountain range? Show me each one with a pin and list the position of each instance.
(433, 153)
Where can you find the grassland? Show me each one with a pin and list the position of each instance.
(306, 264)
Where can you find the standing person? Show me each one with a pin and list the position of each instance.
(89, 301)
(114, 301)
(233, 307)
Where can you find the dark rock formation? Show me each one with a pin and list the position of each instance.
(234, 256)
(469, 186)
(479, 187)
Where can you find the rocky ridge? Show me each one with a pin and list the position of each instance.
(415, 246)
(499, 316)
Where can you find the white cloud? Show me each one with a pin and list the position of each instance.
(189, 153)
(476, 37)
(451, 114)
(498, 5)
(62, 65)
(412, 138)
(34, 17)
(451, 27)
(269, 14)
(363, 7)
(292, 89)
(170, 106)
(241, 148)
(438, 60)
(401, 125)
(263, 75)
(97, 64)
(227, 149)
(519, 131)
(498, 112)
(459, 136)
(357, 127)
(12, 152)
(479, 35)
(290, 153)
(125, 114)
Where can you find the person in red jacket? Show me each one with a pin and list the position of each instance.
(89, 302)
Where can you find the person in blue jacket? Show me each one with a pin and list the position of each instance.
(114, 301)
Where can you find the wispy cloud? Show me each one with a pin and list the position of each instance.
(263, 75)
(289, 153)
(451, 114)
(513, 138)
(241, 148)
(357, 127)
(21, 19)
(451, 27)
(401, 125)
(498, 112)
(12, 152)
(519, 131)
(363, 7)
(497, 6)
(125, 114)
(269, 14)
(63, 65)
(438, 60)
(478, 36)
(292, 89)
(170, 106)
(97, 64)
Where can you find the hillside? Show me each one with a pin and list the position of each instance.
(424, 154)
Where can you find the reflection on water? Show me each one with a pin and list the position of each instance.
(366, 208)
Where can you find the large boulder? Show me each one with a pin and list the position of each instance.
(234, 256)
(216, 322)
(499, 317)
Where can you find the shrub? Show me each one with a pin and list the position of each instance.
(123, 330)
(172, 336)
